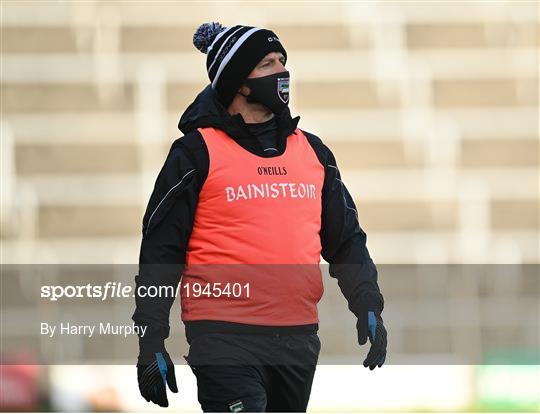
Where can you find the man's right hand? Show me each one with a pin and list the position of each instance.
(155, 369)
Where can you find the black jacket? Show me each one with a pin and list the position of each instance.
(168, 220)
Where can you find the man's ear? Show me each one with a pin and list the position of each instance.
(244, 91)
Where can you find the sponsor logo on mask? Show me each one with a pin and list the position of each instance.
(283, 89)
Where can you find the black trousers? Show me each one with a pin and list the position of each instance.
(254, 372)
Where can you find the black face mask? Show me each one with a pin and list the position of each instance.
(271, 91)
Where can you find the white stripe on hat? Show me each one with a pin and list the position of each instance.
(223, 44)
(231, 52)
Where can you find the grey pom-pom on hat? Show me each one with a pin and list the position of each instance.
(205, 35)
(232, 53)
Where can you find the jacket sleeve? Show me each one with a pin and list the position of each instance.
(344, 242)
(167, 226)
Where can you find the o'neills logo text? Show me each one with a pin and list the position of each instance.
(272, 190)
(272, 170)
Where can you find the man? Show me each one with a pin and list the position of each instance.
(244, 186)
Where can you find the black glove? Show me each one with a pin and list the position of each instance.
(372, 326)
(154, 370)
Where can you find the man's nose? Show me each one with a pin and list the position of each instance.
(280, 67)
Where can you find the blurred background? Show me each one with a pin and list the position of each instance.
(431, 109)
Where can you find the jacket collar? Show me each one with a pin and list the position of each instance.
(207, 111)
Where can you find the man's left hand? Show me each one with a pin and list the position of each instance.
(373, 328)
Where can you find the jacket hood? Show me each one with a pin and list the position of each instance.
(204, 111)
(207, 111)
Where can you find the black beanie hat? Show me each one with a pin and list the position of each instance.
(232, 54)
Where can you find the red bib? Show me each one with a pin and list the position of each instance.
(256, 211)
